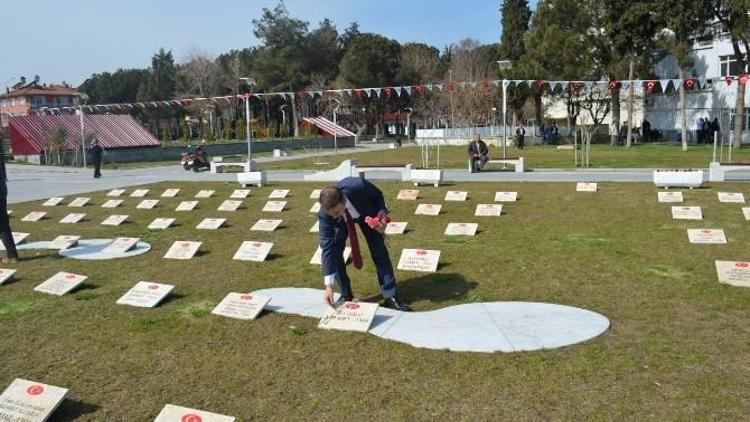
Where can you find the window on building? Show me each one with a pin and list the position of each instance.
(745, 121)
(729, 66)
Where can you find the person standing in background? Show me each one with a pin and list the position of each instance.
(96, 157)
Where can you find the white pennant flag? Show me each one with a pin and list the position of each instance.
(407, 89)
(397, 90)
(676, 84)
(377, 92)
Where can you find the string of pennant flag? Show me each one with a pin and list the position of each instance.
(541, 86)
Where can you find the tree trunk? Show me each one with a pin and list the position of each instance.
(739, 116)
(631, 94)
(615, 124)
(683, 111)
(538, 110)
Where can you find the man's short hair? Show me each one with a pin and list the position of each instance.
(330, 197)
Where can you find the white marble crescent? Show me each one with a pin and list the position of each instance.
(472, 327)
(93, 249)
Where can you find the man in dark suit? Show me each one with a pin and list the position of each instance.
(477, 154)
(6, 234)
(96, 157)
(355, 200)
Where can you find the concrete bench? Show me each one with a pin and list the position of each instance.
(257, 178)
(517, 162)
(404, 170)
(678, 178)
(218, 167)
(716, 170)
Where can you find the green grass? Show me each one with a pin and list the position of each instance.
(677, 348)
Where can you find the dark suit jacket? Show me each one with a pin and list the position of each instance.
(367, 199)
(481, 150)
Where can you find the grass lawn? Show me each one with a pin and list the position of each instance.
(677, 348)
(536, 157)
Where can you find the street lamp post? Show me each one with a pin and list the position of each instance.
(503, 65)
(408, 124)
(249, 134)
(335, 125)
(83, 98)
(283, 117)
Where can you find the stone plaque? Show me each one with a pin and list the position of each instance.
(72, 218)
(351, 316)
(34, 216)
(670, 196)
(161, 223)
(229, 205)
(315, 207)
(112, 203)
(489, 210)
(205, 194)
(396, 227)
(278, 194)
(318, 256)
(274, 206)
(139, 193)
(733, 272)
(61, 283)
(114, 220)
(428, 209)
(64, 241)
(240, 194)
(315, 194)
(145, 294)
(424, 260)
(54, 201)
(687, 213)
(147, 204)
(18, 237)
(315, 228)
(116, 192)
(79, 202)
(121, 245)
(461, 229)
(29, 401)
(746, 212)
(408, 194)
(253, 251)
(186, 206)
(210, 223)
(707, 236)
(454, 195)
(6, 274)
(183, 249)
(586, 187)
(266, 225)
(172, 413)
(241, 306)
(170, 193)
(731, 197)
(506, 196)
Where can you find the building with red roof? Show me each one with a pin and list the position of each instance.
(25, 99)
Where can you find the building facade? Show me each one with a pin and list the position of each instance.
(24, 100)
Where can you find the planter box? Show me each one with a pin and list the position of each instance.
(678, 178)
(257, 178)
(433, 177)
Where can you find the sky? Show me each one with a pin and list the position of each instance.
(68, 40)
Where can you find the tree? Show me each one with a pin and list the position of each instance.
(371, 61)
(161, 81)
(56, 142)
(516, 16)
(118, 87)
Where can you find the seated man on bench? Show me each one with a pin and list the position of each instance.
(477, 154)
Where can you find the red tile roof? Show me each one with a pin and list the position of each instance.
(35, 89)
(29, 135)
(328, 127)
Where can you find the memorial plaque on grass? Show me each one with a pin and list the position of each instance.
(139, 193)
(122, 245)
(317, 258)
(112, 203)
(669, 196)
(707, 236)
(54, 201)
(746, 212)
(454, 195)
(161, 223)
(19, 237)
(241, 306)
(240, 194)
(114, 220)
(64, 241)
(186, 206)
(205, 194)
(265, 225)
(230, 205)
(461, 229)
(428, 209)
(506, 196)
(6, 274)
(61, 283)
(731, 197)
(29, 401)
(172, 413)
(183, 249)
(253, 251)
(423, 260)
(274, 206)
(396, 227)
(315, 207)
(147, 204)
(72, 218)
(315, 194)
(315, 227)
(687, 213)
(586, 187)
(210, 223)
(79, 202)
(34, 216)
(736, 273)
(489, 210)
(351, 316)
(170, 193)
(408, 194)
(278, 194)
(145, 294)
(116, 192)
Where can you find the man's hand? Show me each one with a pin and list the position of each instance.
(380, 228)
(328, 298)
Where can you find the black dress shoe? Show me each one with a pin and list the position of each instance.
(396, 304)
(342, 299)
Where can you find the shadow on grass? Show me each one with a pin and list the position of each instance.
(71, 410)
(435, 288)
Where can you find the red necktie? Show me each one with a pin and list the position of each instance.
(356, 254)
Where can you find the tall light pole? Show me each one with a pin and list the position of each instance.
(249, 134)
(83, 98)
(408, 124)
(493, 121)
(504, 65)
(283, 117)
(335, 125)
